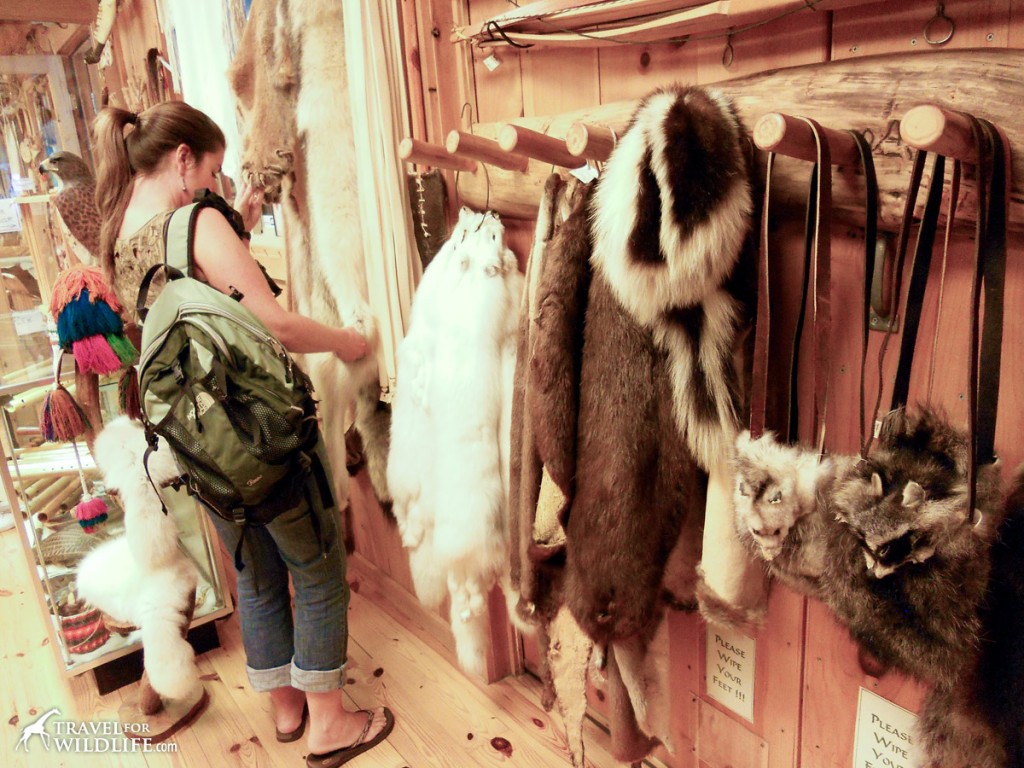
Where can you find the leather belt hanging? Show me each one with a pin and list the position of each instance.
(989, 267)
(817, 270)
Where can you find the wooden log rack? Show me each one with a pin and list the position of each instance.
(867, 95)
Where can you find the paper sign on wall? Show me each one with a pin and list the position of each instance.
(729, 670)
(884, 734)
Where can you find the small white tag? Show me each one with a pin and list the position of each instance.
(492, 62)
(585, 173)
(878, 428)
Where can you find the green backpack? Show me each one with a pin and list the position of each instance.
(235, 409)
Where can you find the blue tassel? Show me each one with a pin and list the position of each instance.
(82, 318)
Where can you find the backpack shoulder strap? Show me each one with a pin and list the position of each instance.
(179, 231)
(179, 237)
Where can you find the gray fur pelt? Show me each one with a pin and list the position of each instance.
(143, 577)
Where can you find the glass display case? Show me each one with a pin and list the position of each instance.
(44, 481)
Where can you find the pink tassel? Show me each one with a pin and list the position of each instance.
(90, 513)
(94, 355)
(69, 285)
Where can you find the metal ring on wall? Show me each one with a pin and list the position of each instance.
(930, 28)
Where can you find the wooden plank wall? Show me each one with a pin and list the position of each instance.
(807, 675)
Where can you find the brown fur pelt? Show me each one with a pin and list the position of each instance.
(551, 401)
(290, 79)
(636, 481)
(524, 462)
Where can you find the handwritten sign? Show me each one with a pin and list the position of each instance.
(28, 321)
(884, 734)
(10, 219)
(729, 670)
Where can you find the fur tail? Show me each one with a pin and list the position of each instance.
(470, 641)
(373, 420)
(168, 658)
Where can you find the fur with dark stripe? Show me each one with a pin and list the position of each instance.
(681, 175)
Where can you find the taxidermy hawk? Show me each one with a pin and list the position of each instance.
(75, 204)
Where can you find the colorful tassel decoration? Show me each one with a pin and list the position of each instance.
(63, 418)
(128, 395)
(81, 318)
(94, 355)
(91, 513)
(123, 348)
(71, 282)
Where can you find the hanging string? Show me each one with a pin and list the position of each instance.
(487, 175)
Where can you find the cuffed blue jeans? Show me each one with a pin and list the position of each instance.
(308, 651)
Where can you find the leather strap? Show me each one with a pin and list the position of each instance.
(989, 268)
(762, 328)
(817, 273)
(918, 281)
(867, 164)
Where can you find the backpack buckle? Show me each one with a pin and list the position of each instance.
(238, 515)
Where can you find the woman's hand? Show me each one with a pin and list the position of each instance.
(353, 346)
(249, 203)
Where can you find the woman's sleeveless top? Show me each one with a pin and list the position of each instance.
(133, 257)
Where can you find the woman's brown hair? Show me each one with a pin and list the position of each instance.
(154, 133)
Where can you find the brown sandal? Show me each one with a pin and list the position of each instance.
(337, 757)
(287, 736)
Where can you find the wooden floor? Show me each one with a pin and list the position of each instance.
(443, 718)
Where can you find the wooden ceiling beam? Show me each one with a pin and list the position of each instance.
(63, 11)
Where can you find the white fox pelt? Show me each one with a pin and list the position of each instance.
(449, 458)
(143, 577)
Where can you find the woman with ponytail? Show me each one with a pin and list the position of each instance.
(148, 165)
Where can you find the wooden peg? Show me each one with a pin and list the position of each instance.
(592, 142)
(934, 129)
(420, 152)
(515, 138)
(484, 150)
(791, 136)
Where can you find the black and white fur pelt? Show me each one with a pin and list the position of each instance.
(143, 577)
(670, 216)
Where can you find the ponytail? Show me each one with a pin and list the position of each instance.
(119, 157)
(114, 176)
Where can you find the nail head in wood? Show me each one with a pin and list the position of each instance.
(484, 150)
(420, 152)
(539, 146)
(591, 142)
(791, 136)
(934, 129)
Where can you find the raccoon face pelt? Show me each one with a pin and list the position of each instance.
(907, 566)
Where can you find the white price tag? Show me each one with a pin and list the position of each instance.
(585, 173)
(492, 62)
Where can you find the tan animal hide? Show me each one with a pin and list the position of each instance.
(291, 83)
(525, 464)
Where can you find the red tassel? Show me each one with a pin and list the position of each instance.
(90, 513)
(69, 285)
(94, 355)
(63, 419)
(128, 400)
